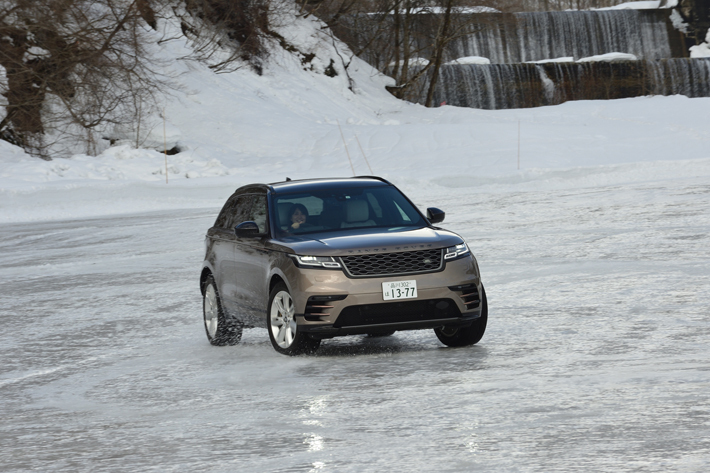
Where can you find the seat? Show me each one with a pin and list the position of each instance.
(357, 214)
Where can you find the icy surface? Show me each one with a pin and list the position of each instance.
(596, 355)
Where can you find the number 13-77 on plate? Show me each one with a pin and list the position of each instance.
(399, 290)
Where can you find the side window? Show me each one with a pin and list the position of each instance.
(313, 205)
(226, 213)
(239, 211)
(258, 212)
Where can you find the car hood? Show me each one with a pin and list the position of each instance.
(369, 241)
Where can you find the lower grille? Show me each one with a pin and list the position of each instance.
(397, 312)
(387, 264)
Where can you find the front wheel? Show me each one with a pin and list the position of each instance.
(464, 336)
(283, 329)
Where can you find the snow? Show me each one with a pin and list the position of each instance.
(609, 57)
(642, 5)
(702, 49)
(457, 10)
(593, 252)
(470, 60)
(678, 22)
(559, 59)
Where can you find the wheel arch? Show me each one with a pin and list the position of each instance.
(206, 272)
(275, 279)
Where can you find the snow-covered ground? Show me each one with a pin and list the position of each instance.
(593, 250)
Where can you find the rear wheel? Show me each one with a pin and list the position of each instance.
(283, 329)
(464, 336)
(220, 330)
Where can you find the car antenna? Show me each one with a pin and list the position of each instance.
(288, 179)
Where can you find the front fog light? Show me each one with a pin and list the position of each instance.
(457, 251)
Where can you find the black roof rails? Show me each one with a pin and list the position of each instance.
(374, 177)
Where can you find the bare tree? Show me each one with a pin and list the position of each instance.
(405, 39)
(75, 67)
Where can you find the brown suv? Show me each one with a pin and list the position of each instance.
(321, 258)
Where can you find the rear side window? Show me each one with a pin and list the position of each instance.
(234, 212)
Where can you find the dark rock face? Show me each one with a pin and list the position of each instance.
(697, 14)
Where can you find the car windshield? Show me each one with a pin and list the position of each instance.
(336, 209)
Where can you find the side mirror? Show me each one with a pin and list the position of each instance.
(435, 215)
(246, 229)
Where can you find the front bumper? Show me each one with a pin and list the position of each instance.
(444, 298)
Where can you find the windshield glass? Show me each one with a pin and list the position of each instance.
(335, 209)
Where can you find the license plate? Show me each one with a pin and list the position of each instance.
(399, 290)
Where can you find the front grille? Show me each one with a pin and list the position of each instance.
(388, 264)
(397, 312)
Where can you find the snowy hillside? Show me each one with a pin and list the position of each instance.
(240, 127)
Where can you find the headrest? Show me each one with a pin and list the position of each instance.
(356, 211)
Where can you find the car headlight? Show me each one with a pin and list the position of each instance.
(316, 261)
(457, 251)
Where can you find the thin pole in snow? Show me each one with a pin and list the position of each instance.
(363, 155)
(518, 145)
(346, 146)
(165, 148)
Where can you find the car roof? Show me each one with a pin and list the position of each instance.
(302, 185)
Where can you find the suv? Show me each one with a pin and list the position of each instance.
(321, 258)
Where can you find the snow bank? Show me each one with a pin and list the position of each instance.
(559, 59)
(470, 60)
(609, 57)
(643, 5)
(703, 49)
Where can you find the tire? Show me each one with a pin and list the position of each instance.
(220, 330)
(465, 336)
(281, 323)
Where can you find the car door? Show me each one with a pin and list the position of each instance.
(252, 263)
(223, 248)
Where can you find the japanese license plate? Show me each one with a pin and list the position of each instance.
(399, 290)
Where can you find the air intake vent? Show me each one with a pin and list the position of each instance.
(319, 306)
(391, 264)
(397, 312)
(469, 295)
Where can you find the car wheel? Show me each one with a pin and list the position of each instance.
(464, 336)
(283, 329)
(220, 330)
